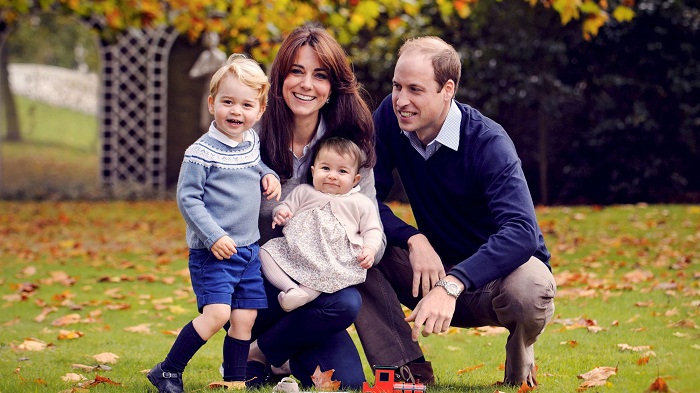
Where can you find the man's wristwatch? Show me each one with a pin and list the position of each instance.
(451, 288)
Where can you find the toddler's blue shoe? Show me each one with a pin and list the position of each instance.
(165, 381)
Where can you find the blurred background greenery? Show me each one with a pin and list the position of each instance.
(604, 119)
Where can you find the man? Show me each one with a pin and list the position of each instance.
(478, 257)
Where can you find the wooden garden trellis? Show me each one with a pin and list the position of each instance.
(133, 109)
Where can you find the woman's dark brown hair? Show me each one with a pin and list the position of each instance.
(346, 115)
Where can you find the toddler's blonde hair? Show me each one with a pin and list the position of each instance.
(248, 72)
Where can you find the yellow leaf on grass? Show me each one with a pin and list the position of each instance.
(69, 334)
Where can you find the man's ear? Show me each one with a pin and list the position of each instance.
(449, 89)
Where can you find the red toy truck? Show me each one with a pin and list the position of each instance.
(384, 382)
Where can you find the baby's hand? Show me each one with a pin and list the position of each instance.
(281, 217)
(366, 257)
(271, 187)
(224, 248)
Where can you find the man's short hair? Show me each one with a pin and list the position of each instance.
(445, 59)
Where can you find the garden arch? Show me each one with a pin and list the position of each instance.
(133, 115)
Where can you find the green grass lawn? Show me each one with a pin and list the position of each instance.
(625, 274)
(56, 158)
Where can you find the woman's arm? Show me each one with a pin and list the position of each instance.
(367, 188)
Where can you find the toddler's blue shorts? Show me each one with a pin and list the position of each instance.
(236, 281)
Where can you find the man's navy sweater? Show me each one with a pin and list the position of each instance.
(473, 205)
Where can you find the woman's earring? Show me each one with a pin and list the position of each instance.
(328, 101)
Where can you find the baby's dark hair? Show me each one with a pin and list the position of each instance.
(344, 147)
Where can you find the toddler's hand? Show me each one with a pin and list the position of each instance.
(271, 187)
(224, 248)
(366, 258)
(281, 217)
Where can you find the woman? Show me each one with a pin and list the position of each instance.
(313, 95)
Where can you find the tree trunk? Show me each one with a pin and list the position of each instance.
(7, 101)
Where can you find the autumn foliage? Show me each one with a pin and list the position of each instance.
(257, 26)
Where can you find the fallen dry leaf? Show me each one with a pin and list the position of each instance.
(174, 332)
(101, 367)
(32, 344)
(323, 380)
(66, 320)
(468, 369)
(489, 331)
(143, 328)
(659, 385)
(685, 323)
(69, 334)
(233, 385)
(106, 357)
(73, 377)
(98, 380)
(28, 271)
(11, 322)
(525, 388)
(625, 347)
(596, 377)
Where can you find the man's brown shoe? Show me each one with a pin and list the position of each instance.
(416, 373)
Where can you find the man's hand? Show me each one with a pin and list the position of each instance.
(224, 248)
(426, 264)
(434, 312)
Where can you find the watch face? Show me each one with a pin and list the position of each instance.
(450, 287)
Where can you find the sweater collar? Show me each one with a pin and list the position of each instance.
(221, 137)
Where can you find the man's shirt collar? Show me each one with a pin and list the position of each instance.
(448, 135)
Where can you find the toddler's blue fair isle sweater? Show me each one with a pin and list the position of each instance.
(218, 190)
